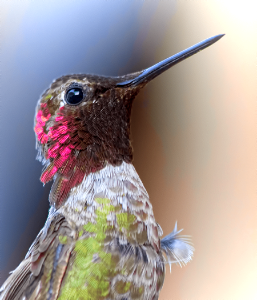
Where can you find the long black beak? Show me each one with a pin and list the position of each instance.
(150, 73)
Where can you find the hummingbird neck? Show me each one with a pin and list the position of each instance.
(120, 188)
(120, 184)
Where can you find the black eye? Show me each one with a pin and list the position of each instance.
(74, 96)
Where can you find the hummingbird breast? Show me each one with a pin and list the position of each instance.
(116, 252)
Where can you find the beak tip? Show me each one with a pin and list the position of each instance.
(212, 40)
(219, 36)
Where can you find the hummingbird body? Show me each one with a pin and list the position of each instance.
(114, 257)
(99, 246)
(100, 240)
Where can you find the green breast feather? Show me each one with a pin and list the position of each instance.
(93, 268)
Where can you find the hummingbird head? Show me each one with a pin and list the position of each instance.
(82, 123)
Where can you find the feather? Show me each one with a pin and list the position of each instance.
(18, 278)
(40, 274)
(177, 248)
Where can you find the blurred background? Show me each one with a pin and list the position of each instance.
(193, 127)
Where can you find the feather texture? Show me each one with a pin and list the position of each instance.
(39, 275)
(177, 248)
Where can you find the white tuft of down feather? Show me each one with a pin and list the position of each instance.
(177, 248)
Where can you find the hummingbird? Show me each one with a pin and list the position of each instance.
(100, 240)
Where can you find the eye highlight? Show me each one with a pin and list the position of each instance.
(74, 95)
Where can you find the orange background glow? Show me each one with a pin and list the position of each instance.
(194, 135)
